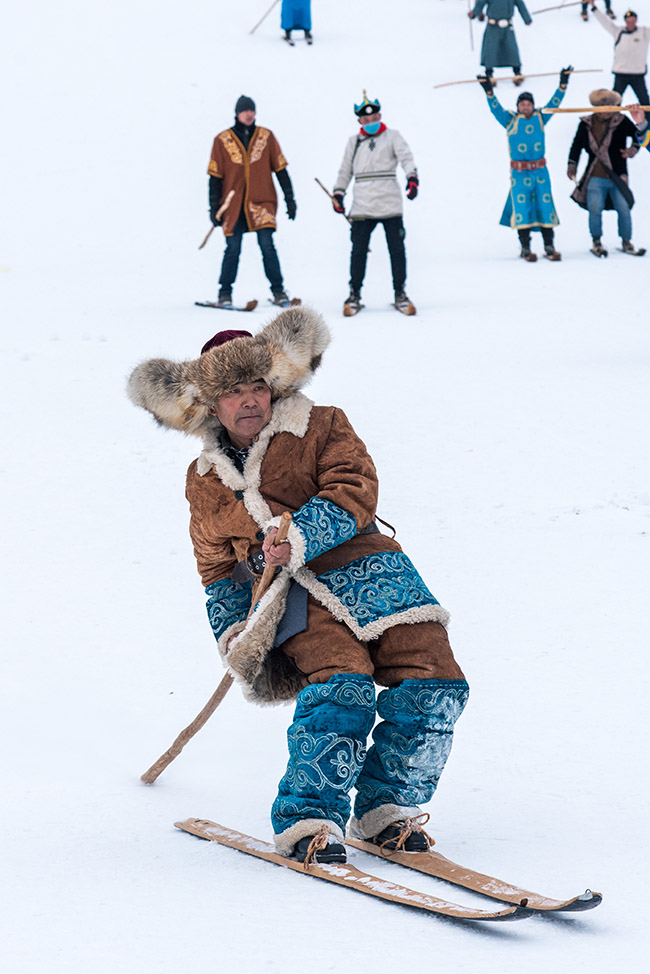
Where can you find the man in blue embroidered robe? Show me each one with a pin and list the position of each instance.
(346, 610)
(529, 205)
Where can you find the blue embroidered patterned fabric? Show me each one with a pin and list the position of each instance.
(411, 743)
(377, 586)
(227, 603)
(323, 525)
(327, 747)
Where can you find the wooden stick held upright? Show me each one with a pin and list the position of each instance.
(331, 196)
(222, 209)
(202, 718)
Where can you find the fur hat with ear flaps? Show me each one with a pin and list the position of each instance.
(603, 96)
(285, 353)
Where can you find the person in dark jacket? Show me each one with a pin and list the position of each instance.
(604, 137)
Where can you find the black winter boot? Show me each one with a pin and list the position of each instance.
(389, 838)
(333, 852)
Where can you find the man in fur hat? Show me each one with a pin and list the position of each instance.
(499, 49)
(371, 159)
(243, 160)
(529, 205)
(630, 53)
(346, 610)
(609, 139)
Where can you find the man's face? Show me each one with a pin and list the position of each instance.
(630, 23)
(244, 410)
(525, 108)
(369, 119)
(246, 118)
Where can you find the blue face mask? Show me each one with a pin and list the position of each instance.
(373, 128)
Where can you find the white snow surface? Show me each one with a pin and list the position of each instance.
(509, 423)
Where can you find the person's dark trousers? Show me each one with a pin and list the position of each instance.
(547, 236)
(360, 233)
(636, 83)
(270, 260)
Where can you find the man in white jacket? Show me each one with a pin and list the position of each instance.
(630, 53)
(371, 158)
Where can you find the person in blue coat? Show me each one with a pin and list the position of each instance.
(529, 205)
(500, 48)
(296, 15)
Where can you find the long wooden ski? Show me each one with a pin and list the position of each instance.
(345, 874)
(434, 864)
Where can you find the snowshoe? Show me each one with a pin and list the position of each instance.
(281, 298)
(352, 305)
(389, 838)
(584, 15)
(551, 253)
(527, 254)
(309, 37)
(629, 248)
(288, 38)
(403, 304)
(611, 14)
(597, 248)
(333, 852)
(517, 79)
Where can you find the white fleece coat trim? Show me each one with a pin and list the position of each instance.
(420, 613)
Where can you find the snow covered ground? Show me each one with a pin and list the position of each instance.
(509, 424)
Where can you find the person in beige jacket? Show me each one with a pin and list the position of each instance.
(630, 53)
(370, 159)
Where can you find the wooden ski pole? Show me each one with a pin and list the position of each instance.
(331, 196)
(471, 31)
(222, 209)
(546, 74)
(574, 3)
(202, 718)
(598, 108)
(274, 4)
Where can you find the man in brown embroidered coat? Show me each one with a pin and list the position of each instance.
(243, 161)
(347, 608)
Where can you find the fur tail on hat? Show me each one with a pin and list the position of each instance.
(285, 353)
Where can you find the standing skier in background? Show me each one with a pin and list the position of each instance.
(244, 158)
(529, 205)
(371, 159)
(499, 48)
(604, 137)
(347, 608)
(296, 15)
(630, 53)
(608, 10)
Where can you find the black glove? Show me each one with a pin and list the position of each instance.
(216, 220)
(412, 184)
(485, 84)
(291, 207)
(565, 75)
(337, 202)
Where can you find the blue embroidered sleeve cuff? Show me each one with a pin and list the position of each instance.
(323, 525)
(227, 604)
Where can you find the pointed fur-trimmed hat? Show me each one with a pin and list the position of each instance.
(285, 353)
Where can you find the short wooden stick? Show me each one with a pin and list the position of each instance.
(222, 209)
(202, 718)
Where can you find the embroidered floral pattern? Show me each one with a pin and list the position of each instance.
(377, 586)
(323, 525)
(227, 603)
(259, 145)
(260, 215)
(325, 764)
(411, 744)
(232, 147)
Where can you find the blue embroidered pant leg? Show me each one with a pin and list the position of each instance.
(411, 746)
(327, 747)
